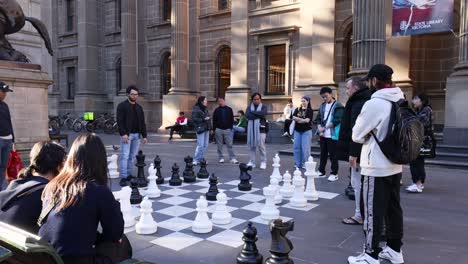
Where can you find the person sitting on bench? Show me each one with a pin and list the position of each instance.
(180, 123)
(241, 125)
(20, 202)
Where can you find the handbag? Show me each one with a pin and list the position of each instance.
(428, 148)
(200, 129)
(14, 166)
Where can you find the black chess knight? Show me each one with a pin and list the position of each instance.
(280, 244)
(244, 177)
(249, 253)
(157, 166)
(213, 190)
(203, 172)
(175, 178)
(189, 174)
(141, 178)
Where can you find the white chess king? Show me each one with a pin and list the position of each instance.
(311, 193)
(146, 225)
(113, 168)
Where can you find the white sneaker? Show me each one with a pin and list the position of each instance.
(285, 134)
(195, 163)
(364, 258)
(251, 165)
(391, 255)
(263, 165)
(221, 160)
(321, 175)
(333, 178)
(234, 161)
(414, 189)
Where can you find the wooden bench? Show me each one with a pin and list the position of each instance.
(59, 138)
(27, 248)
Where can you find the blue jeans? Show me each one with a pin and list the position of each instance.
(202, 144)
(302, 141)
(128, 152)
(5, 148)
(236, 129)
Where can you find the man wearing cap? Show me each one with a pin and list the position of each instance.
(7, 137)
(381, 177)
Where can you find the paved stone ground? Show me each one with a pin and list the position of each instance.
(435, 222)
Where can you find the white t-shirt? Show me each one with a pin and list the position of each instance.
(328, 108)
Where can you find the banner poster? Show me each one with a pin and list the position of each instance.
(413, 17)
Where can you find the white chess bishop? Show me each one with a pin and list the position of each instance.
(202, 223)
(127, 210)
(278, 197)
(269, 211)
(153, 190)
(276, 165)
(287, 190)
(298, 200)
(146, 225)
(311, 193)
(113, 168)
(221, 215)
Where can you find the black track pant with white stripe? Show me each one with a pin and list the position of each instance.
(381, 198)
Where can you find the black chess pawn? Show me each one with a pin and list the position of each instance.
(249, 253)
(213, 190)
(280, 244)
(203, 172)
(141, 178)
(189, 174)
(135, 197)
(244, 178)
(175, 178)
(157, 166)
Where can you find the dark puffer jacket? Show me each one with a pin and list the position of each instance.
(198, 118)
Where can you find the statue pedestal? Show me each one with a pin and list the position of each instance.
(28, 103)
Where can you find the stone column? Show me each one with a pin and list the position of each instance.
(368, 35)
(128, 42)
(456, 120)
(316, 49)
(238, 93)
(182, 95)
(89, 95)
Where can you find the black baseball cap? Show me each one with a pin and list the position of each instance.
(4, 87)
(380, 71)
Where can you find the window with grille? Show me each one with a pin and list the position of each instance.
(165, 74)
(349, 53)
(118, 14)
(275, 69)
(118, 76)
(70, 15)
(71, 82)
(166, 10)
(223, 67)
(224, 4)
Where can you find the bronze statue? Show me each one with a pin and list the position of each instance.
(12, 20)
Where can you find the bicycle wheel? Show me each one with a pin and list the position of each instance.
(77, 126)
(90, 127)
(115, 128)
(54, 124)
(69, 123)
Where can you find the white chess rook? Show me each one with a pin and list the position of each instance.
(269, 211)
(298, 200)
(113, 168)
(153, 190)
(287, 190)
(146, 225)
(311, 193)
(202, 223)
(276, 165)
(278, 197)
(221, 215)
(127, 210)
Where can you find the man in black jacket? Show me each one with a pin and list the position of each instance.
(223, 120)
(7, 137)
(132, 128)
(347, 150)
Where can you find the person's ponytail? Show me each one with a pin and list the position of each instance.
(26, 172)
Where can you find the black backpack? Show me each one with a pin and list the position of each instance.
(405, 134)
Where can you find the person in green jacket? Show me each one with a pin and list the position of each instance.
(328, 122)
(241, 125)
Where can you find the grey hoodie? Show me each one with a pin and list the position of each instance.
(374, 117)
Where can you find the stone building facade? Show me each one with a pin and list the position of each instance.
(176, 50)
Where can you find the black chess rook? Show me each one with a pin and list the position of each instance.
(175, 178)
(249, 253)
(157, 166)
(203, 172)
(213, 190)
(281, 246)
(135, 197)
(244, 178)
(141, 178)
(189, 174)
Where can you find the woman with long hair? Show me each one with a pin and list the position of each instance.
(76, 201)
(302, 118)
(418, 172)
(201, 121)
(20, 203)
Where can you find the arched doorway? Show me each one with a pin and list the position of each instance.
(165, 74)
(223, 70)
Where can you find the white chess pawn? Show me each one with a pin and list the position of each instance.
(287, 189)
(153, 190)
(276, 165)
(146, 225)
(202, 223)
(221, 215)
(113, 168)
(310, 191)
(126, 207)
(269, 211)
(278, 197)
(298, 199)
